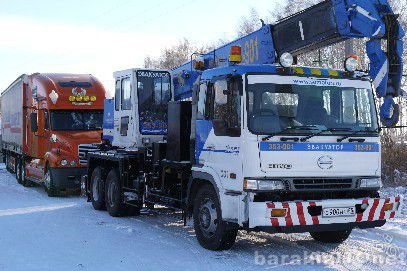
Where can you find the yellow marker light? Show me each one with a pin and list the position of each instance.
(388, 207)
(278, 212)
(86, 98)
(235, 54)
(299, 70)
(79, 98)
(93, 98)
(316, 72)
(71, 98)
(333, 73)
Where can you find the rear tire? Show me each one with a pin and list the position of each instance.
(97, 191)
(113, 195)
(8, 162)
(18, 171)
(332, 237)
(24, 181)
(49, 183)
(211, 231)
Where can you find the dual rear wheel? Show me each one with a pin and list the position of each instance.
(107, 194)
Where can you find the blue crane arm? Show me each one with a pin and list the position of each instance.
(326, 23)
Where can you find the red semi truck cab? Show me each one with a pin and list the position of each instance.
(45, 118)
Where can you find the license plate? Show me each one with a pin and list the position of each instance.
(339, 211)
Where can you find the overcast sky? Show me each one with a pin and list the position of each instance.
(102, 36)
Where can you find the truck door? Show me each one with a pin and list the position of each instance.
(224, 142)
(123, 116)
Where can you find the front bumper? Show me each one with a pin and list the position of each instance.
(308, 214)
(65, 179)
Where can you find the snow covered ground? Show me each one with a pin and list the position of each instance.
(41, 233)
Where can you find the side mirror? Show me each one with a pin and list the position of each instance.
(220, 127)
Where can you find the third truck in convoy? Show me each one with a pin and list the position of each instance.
(240, 138)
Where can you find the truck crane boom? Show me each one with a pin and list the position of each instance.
(324, 24)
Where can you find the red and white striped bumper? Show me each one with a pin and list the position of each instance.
(297, 213)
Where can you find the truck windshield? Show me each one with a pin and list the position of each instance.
(75, 120)
(154, 93)
(275, 108)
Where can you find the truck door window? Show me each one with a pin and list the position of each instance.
(126, 94)
(202, 101)
(226, 106)
(221, 100)
(117, 96)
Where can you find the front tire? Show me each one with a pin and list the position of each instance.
(331, 237)
(49, 183)
(113, 196)
(211, 231)
(97, 191)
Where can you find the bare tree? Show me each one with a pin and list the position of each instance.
(249, 24)
(175, 56)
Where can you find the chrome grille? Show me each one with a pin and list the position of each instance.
(83, 151)
(310, 184)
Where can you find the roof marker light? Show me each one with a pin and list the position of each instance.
(235, 54)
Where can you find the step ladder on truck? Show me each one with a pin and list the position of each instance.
(240, 138)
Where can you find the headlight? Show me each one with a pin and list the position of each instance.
(73, 163)
(371, 183)
(286, 60)
(263, 185)
(64, 162)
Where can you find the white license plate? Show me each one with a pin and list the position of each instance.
(339, 211)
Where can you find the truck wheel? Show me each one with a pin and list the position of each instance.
(331, 236)
(8, 162)
(49, 183)
(24, 181)
(18, 171)
(211, 231)
(97, 192)
(113, 195)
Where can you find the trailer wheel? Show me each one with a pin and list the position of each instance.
(97, 190)
(18, 171)
(331, 236)
(49, 183)
(211, 231)
(8, 162)
(113, 196)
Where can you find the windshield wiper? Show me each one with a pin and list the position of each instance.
(324, 131)
(306, 127)
(356, 133)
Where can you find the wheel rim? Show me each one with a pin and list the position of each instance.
(111, 195)
(208, 217)
(95, 189)
(47, 179)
